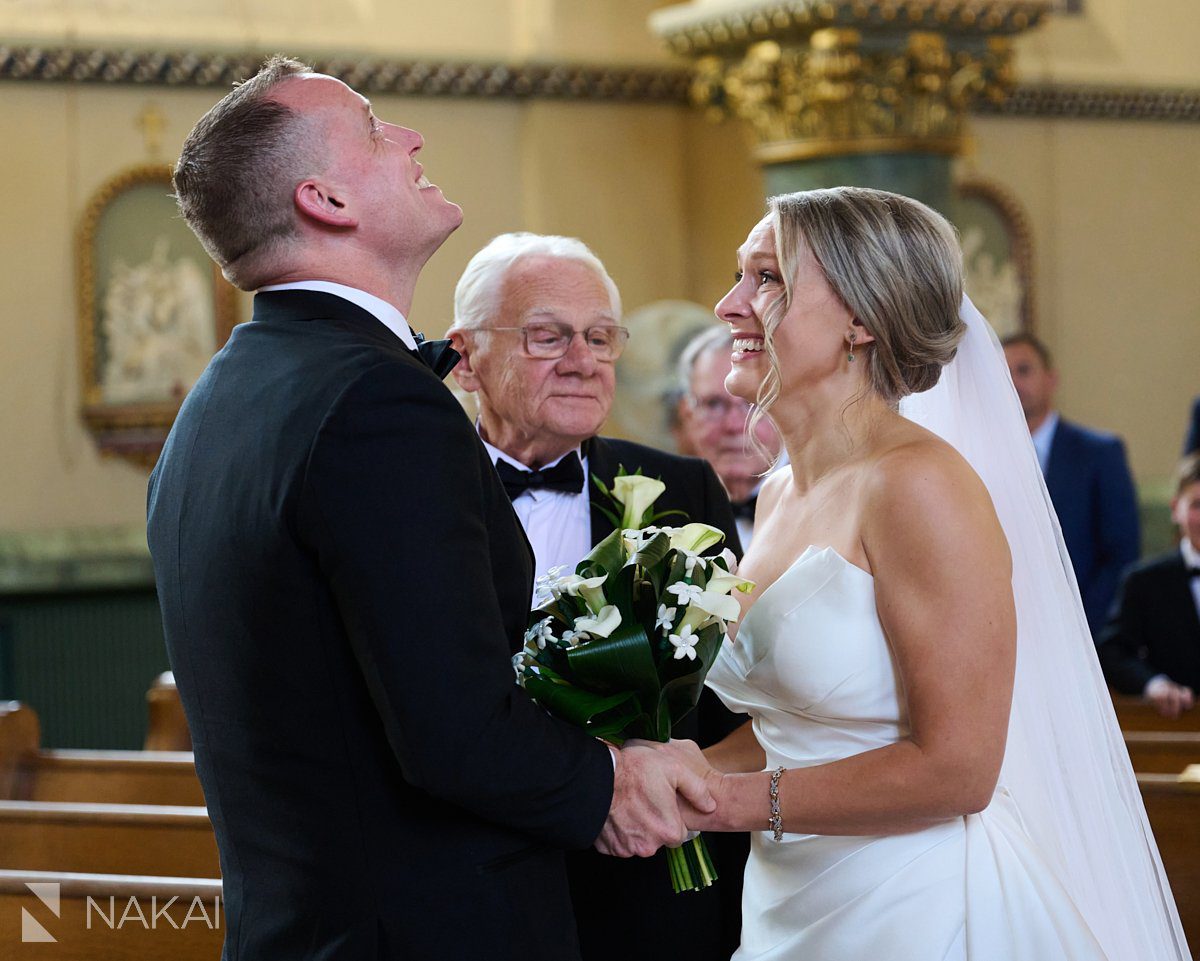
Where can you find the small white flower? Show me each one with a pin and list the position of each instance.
(539, 634)
(685, 643)
(545, 586)
(691, 561)
(575, 638)
(685, 592)
(666, 618)
(518, 663)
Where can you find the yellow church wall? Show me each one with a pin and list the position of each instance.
(1114, 209)
(663, 196)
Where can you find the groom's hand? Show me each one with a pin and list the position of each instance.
(644, 815)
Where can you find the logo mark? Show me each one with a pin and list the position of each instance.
(32, 930)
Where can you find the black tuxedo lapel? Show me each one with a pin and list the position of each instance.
(602, 464)
(1182, 602)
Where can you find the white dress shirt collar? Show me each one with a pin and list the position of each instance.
(378, 308)
(1043, 439)
(497, 454)
(1191, 556)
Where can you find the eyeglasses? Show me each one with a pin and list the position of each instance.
(549, 341)
(716, 408)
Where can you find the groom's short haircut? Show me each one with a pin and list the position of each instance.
(1043, 352)
(477, 294)
(238, 168)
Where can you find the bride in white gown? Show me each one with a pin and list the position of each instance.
(950, 780)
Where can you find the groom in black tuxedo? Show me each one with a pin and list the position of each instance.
(342, 576)
(537, 324)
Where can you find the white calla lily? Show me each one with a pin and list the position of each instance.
(602, 625)
(722, 583)
(718, 605)
(589, 588)
(636, 493)
(695, 538)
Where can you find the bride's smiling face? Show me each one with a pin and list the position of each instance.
(810, 339)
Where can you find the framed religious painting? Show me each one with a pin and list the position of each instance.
(153, 308)
(997, 254)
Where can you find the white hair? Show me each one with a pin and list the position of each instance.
(717, 337)
(477, 295)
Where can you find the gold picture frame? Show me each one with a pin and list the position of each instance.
(997, 244)
(153, 308)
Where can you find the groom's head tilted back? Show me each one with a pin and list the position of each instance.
(291, 176)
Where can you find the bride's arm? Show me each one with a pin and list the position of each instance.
(738, 753)
(943, 591)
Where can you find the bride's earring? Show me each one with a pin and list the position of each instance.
(851, 356)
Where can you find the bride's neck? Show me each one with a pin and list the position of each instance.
(820, 437)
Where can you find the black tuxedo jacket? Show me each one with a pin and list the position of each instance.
(1153, 627)
(625, 908)
(341, 576)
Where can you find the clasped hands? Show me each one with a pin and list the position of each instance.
(661, 792)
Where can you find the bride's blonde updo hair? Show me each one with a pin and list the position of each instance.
(894, 263)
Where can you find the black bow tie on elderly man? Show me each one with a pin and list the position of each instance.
(566, 476)
(438, 354)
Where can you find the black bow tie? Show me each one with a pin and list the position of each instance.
(438, 354)
(1193, 572)
(744, 510)
(566, 476)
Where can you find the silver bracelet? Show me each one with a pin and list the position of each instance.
(776, 820)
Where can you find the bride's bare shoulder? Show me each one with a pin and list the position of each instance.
(920, 484)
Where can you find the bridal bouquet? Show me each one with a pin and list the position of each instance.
(621, 647)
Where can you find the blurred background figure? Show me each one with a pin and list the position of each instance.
(1088, 477)
(1151, 643)
(712, 424)
(658, 333)
(1191, 442)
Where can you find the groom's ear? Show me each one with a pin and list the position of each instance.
(464, 371)
(861, 334)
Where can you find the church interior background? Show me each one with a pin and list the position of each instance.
(1065, 133)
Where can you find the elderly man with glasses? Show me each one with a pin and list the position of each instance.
(711, 423)
(537, 322)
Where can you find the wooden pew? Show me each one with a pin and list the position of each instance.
(189, 929)
(1162, 752)
(112, 777)
(1173, 807)
(167, 730)
(168, 841)
(1134, 714)
(20, 735)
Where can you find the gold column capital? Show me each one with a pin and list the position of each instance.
(822, 78)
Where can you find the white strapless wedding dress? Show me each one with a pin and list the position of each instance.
(813, 669)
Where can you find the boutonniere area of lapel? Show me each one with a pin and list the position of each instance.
(622, 645)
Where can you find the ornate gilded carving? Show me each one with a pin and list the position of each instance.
(822, 78)
(559, 81)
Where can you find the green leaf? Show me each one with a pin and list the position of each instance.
(622, 662)
(573, 703)
(606, 557)
(653, 551)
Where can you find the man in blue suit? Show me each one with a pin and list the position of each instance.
(1088, 477)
